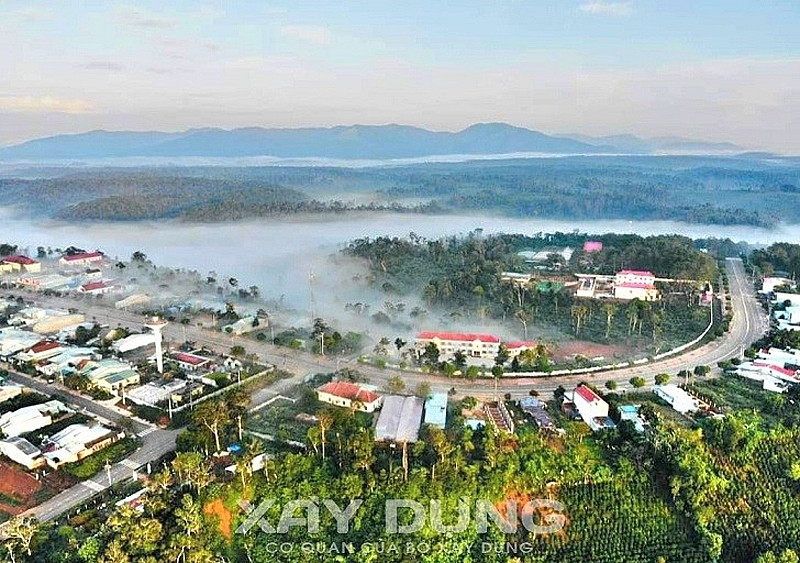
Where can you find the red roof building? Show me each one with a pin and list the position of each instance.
(641, 273)
(19, 259)
(592, 246)
(96, 287)
(190, 361)
(348, 395)
(458, 337)
(81, 258)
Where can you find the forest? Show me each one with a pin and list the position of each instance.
(461, 277)
(705, 190)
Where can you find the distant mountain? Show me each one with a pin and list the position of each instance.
(638, 145)
(343, 142)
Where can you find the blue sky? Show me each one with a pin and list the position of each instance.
(703, 69)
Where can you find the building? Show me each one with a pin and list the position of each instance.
(41, 282)
(134, 342)
(76, 442)
(110, 374)
(187, 393)
(9, 392)
(81, 258)
(399, 420)
(96, 288)
(132, 301)
(17, 263)
(631, 413)
(151, 394)
(635, 284)
(40, 351)
(769, 284)
(54, 323)
(20, 450)
(592, 409)
(349, 395)
(436, 410)
(592, 246)
(677, 398)
(28, 419)
(518, 347)
(537, 411)
(191, 362)
(473, 345)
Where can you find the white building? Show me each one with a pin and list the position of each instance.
(347, 395)
(20, 450)
(134, 342)
(81, 259)
(518, 347)
(28, 419)
(9, 392)
(151, 394)
(677, 398)
(76, 442)
(473, 345)
(635, 284)
(96, 288)
(769, 284)
(592, 408)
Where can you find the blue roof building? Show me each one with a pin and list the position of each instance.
(436, 410)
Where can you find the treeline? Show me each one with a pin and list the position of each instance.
(783, 257)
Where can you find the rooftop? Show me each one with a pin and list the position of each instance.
(635, 285)
(19, 259)
(520, 344)
(400, 419)
(82, 256)
(635, 273)
(347, 390)
(458, 337)
(191, 359)
(587, 394)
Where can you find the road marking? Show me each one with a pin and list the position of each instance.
(130, 464)
(146, 432)
(93, 486)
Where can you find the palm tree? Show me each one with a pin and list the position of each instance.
(325, 420)
(610, 310)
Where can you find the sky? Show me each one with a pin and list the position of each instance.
(702, 69)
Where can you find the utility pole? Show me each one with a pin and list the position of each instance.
(322, 343)
(108, 472)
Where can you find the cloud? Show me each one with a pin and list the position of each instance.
(102, 65)
(606, 8)
(34, 14)
(139, 18)
(43, 104)
(311, 33)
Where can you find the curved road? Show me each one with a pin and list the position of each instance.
(749, 323)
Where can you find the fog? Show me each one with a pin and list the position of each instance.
(291, 258)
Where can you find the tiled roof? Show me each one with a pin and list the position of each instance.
(82, 256)
(19, 259)
(635, 273)
(587, 394)
(458, 337)
(347, 390)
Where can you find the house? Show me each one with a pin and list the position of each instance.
(9, 392)
(677, 398)
(28, 419)
(349, 395)
(635, 284)
(67, 361)
(473, 345)
(41, 282)
(110, 374)
(631, 413)
(134, 342)
(191, 362)
(518, 347)
(96, 288)
(20, 450)
(187, 393)
(399, 420)
(76, 442)
(151, 394)
(40, 351)
(591, 408)
(436, 410)
(592, 246)
(17, 263)
(81, 258)
(536, 410)
(93, 274)
(769, 284)
(13, 341)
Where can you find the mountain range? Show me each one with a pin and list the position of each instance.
(342, 142)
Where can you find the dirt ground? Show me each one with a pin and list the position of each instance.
(17, 485)
(567, 350)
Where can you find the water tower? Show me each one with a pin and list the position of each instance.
(157, 325)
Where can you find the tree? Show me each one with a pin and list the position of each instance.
(237, 351)
(213, 415)
(395, 385)
(423, 389)
(399, 343)
(700, 371)
(430, 355)
(662, 378)
(637, 381)
(460, 360)
(502, 356)
(523, 316)
(20, 533)
(611, 384)
(325, 421)
(610, 310)
(138, 256)
(579, 314)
